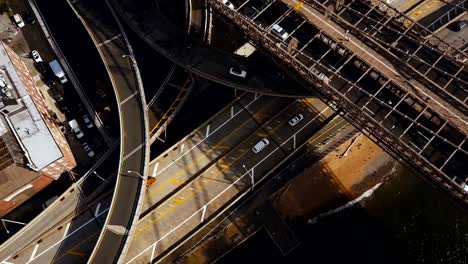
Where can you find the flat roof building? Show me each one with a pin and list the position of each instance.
(30, 140)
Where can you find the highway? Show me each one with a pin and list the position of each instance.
(122, 68)
(153, 27)
(218, 184)
(214, 143)
(406, 120)
(74, 202)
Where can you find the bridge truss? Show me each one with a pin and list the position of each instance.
(398, 113)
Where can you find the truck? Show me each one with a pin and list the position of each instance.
(58, 71)
(76, 128)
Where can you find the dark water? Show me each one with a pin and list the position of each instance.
(405, 221)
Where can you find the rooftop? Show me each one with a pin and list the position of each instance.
(23, 118)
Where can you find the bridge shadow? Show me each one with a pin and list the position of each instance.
(291, 200)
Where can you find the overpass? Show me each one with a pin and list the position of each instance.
(400, 114)
(146, 19)
(117, 55)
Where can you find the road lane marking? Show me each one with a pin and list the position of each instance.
(222, 192)
(171, 107)
(97, 209)
(6, 262)
(129, 97)
(232, 111)
(182, 149)
(34, 252)
(109, 40)
(72, 233)
(204, 155)
(132, 152)
(155, 169)
(66, 230)
(203, 140)
(206, 182)
(79, 254)
(207, 134)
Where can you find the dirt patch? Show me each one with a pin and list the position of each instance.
(342, 175)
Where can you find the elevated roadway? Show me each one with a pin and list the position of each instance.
(191, 194)
(402, 117)
(146, 19)
(117, 55)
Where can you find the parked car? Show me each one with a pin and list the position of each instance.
(88, 150)
(29, 18)
(87, 121)
(35, 56)
(260, 145)
(296, 119)
(76, 128)
(279, 32)
(237, 71)
(18, 20)
(228, 4)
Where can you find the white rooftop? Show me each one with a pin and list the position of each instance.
(27, 125)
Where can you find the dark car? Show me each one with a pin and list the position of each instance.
(459, 25)
(29, 18)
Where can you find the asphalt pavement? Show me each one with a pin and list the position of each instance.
(146, 19)
(218, 184)
(121, 66)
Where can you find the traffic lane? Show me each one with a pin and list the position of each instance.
(174, 177)
(49, 253)
(219, 177)
(49, 244)
(190, 199)
(200, 59)
(312, 110)
(207, 131)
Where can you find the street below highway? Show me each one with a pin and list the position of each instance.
(218, 184)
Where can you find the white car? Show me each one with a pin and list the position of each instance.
(260, 145)
(87, 122)
(236, 71)
(228, 4)
(88, 150)
(296, 119)
(35, 56)
(279, 32)
(18, 20)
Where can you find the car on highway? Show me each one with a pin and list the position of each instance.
(278, 31)
(228, 4)
(88, 150)
(459, 25)
(87, 121)
(295, 120)
(36, 56)
(18, 20)
(260, 145)
(238, 71)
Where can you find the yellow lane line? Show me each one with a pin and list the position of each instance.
(162, 186)
(203, 185)
(164, 117)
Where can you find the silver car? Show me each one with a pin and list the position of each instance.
(296, 119)
(260, 145)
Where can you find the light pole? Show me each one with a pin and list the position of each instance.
(11, 221)
(129, 56)
(251, 176)
(139, 174)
